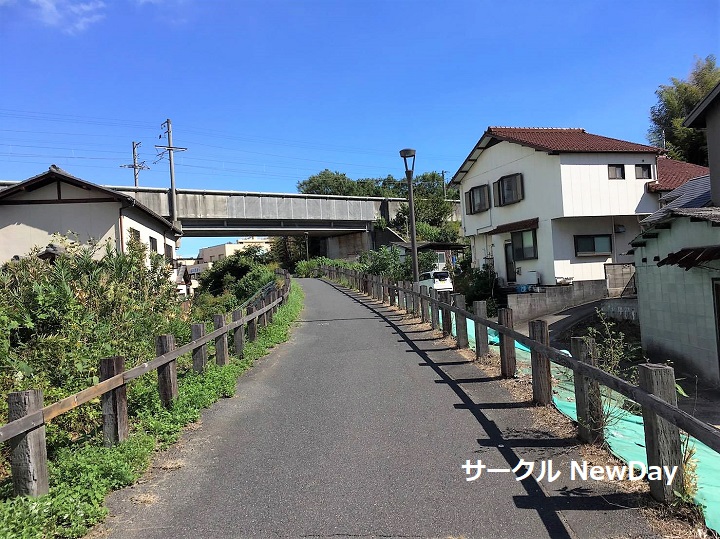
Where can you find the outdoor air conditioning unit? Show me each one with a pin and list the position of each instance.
(533, 277)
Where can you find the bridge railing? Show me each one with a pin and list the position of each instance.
(25, 429)
(656, 394)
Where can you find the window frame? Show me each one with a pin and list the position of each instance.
(581, 254)
(470, 206)
(169, 258)
(643, 166)
(153, 244)
(499, 189)
(519, 233)
(133, 234)
(613, 169)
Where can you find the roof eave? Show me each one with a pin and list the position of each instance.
(696, 118)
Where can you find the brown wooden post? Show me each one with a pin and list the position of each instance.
(460, 323)
(541, 377)
(508, 364)
(222, 355)
(28, 459)
(587, 393)
(446, 316)
(482, 348)
(167, 374)
(392, 293)
(386, 291)
(239, 334)
(252, 324)
(262, 322)
(408, 296)
(199, 354)
(424, 291)
(434, 310)
(416, 300)
(270, 313)
(401, 295)
(662, 438)
(114, 403)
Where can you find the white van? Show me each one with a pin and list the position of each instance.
(439, 280)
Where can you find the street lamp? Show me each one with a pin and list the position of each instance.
(409, 170)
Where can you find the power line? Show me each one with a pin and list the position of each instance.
(137, 167)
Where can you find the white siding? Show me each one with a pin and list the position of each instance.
(23, 227)
(676, 307)
(148, 227)
(587, 190)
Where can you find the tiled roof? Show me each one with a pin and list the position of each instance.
(692, 194)
(672, 174)
(553, 139)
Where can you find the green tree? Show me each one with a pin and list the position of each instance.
(327, 182)
(675, 102)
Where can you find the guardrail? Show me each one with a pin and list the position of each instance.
(25, 429)
(656, 394)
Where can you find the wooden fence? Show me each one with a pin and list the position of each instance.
(656, 393)
(25, 429)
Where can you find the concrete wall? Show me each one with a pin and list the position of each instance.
(554, 299)
(621, 309)
(678, 319)
(348, 246)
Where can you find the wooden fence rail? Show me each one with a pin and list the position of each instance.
(26, 427)
(659, 414)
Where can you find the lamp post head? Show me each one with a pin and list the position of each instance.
(406, 154)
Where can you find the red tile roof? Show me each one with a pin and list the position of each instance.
(553, 139)
(672, 174)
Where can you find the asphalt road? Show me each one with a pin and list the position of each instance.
(358, 427)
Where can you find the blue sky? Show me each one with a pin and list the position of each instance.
(266, 93)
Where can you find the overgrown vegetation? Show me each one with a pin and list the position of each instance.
(57, 322)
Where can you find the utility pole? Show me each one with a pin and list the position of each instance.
(170, 149)
(137, 167)
(442, 172)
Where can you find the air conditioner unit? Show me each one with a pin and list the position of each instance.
(532, 277)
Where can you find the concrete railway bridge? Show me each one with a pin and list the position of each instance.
(346, 222)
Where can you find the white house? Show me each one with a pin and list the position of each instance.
(553, 206)
(677, 259)
(55, 202)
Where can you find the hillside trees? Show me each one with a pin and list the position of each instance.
(675, 102)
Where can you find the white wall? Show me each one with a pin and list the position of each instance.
(23, 227)
(588, 268)
(148, 227)
(587, 190)
(676, 307)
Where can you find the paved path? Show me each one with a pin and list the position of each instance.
(358, 427)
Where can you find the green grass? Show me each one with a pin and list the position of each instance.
(81, 478)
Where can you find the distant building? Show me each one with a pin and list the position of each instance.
(55, 202)
(218, 252)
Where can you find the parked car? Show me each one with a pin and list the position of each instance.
(439, 280)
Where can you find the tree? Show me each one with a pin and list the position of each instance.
(328, 183)
(675, 102)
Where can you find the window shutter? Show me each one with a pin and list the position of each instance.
(468, 202)
(496, 193)
(521, 193)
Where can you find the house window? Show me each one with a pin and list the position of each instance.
(134, 234)
(153, 245)
(524, 245)
(477, 199)
(168, 253)
(508, 190)
(595, 245)
(643, 172)
(441, 258)
(616, 172)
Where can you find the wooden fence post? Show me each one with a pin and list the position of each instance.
(393, 293)
(408, 297)
(262, 322)
(508, 364)
(401, 295)
(28, 460)
(199, 354)
(252, 324)
(416, 300)
(587, 393)
(222, 356)
(434, 310)
(662, 438)
(270, 313)
(114, 403)
(239, 333)
(424, 291)
(446, 321)
(482, 348)
(167, 374)
(541, 377)
(385, 290)
(461, 322)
